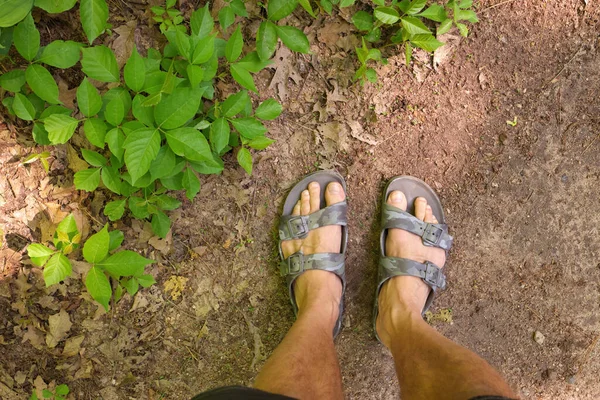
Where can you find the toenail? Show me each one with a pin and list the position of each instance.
(313, 185)
(305, 193)
(333, 188)
(397, 197)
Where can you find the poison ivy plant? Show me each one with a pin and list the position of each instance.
(125, 268)
(167, 16)
(59, 393)
(408, 23)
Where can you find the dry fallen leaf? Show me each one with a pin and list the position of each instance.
(175, 286)
(76, 164)
(123, 45)
(285, 69)
(442, 54)
(59, 325)
(65, 95)
(72, 346)
(357, 132)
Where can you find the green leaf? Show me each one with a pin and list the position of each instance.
(327, 5)
(61, 54)
(13, 11)
(88, 99)
(115, 140)
(111, 179)
(131, 285)
(115, 111)
(252, 63)
(244, 158)
(116, 238)
(13, 81)
(163, 163)
(234, 46)
(143, 114)
(182, 42)
(195, 74)
(62, 390)
(387, 15)
(100, 63)
(306, 5)
(55, 6)
(426, 42)
(219, 134)
(161, 224)
(27, 38)
(98, 286)
(414, 26)
(95, 131)
(165, 202)
(190, 183)
(434, 12)
(466, 15)
(243, 77)
(249, 128)
(146, 280)
(60, 128)
(202, 22)
(189, 143)
(178, 108)
(278, 9)
(204, 50)
(95, 248)
(408, 52)
(68, 225)
(260, 142)
(266, 40)
(93, 158)
(294, 39)
(465, 4)
(226, 17)
(55, 110)
(38, 253)
(141, 146)
(39, 134)
(57, 269)
(42, 83)
(462, 28)
(114, 210)
(23, 107)
(94, 17)
(87, 179)
(138, 207)
(371, 75)
(268, 110)
(363, 21)
(135, 71)
(235, 104)
(239, 8)
(444, 26)
(415, 6)
(125, 263)
(346, 3)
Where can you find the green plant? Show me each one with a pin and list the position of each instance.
(168, 17)
(125, 268)
(403, 23)
(60, 393)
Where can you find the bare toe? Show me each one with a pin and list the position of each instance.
(420, 208)
(305, 203)
(397, 199)
(314, 189)
(334, 193)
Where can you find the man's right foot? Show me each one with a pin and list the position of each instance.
(403, 297)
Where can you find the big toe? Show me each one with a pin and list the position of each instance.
(334, 193)
(397, 199)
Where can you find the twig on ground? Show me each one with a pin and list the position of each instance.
(497, 5)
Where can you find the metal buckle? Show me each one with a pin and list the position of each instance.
(295, 263)
(432, 234)
(434, 276)
(298, 230)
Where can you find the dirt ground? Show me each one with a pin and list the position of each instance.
(522, 202)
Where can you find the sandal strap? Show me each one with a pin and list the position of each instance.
(298, 226)
(434, 235)
(430, 273)
(299, 262)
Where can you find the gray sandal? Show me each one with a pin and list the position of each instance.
(298, 227)
(435, 235)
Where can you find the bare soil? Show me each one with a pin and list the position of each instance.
(522, 203)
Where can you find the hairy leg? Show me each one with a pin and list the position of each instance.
(428, 365)
(305, 364)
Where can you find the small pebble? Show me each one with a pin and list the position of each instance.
(564, 179)
(539, 337)
(571, 380)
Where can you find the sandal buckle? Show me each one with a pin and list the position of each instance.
(298, 226)
(295, 263)
(432, 234)
(434, 276)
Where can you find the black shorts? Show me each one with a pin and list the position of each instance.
(245, 393)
